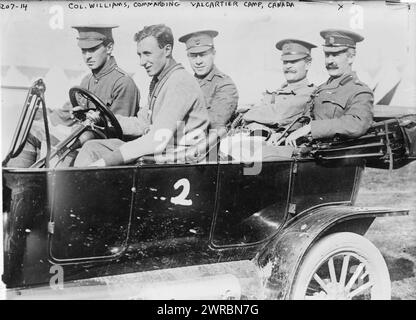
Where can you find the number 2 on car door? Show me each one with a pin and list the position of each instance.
(181, 198)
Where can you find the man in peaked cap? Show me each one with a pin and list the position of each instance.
(343, 105)
(219, 89)
(90, 36)
(111, 84)
(279, 108)
(107, 81)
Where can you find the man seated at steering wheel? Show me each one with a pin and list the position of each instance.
(107, 81)
(176, 117)
(280, 108)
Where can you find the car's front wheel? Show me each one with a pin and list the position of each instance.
(342, 266)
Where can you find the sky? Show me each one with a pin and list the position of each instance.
(41, 36)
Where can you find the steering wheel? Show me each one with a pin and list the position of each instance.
(104, 111)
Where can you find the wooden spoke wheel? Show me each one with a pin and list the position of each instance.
(342, 266)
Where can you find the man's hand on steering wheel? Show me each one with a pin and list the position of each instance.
(82, 114)
(301, 132)
(100, 118)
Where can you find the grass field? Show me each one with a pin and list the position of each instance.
(394, 236)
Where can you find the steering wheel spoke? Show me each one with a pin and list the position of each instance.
(104, 113)
(105, 125)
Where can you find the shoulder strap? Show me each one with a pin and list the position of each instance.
(117, 68)
(346, 80)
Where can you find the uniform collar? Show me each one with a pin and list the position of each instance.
(168, 66)
(296, 85)
(109, 66)
(214, 71)
(341, 79)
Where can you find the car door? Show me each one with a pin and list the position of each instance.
(90, 213)
(173, 213)
(251, 207)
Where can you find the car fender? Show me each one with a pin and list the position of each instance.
(281, 258)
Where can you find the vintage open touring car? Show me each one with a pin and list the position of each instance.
(205, 229)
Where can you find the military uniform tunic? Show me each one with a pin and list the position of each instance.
(111, 85)
(282, 106)
(221, 97)
(341, 106)
(115, 88)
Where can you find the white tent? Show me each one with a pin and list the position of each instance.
(385, 81)
(405, 94)
(15, 78)
(406, 91)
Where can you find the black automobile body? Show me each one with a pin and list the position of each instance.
(101, 222)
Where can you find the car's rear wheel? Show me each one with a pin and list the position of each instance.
(342, 266)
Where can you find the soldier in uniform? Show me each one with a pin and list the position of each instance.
(279, 108)
(111, 84)
(176, 116)
(219, 89)
(107, 81)
(343, 105)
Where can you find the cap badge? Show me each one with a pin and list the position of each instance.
(331, 40)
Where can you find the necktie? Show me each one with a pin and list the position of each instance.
(151, 88)
(152, 85)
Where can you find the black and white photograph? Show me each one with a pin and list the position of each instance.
(208, 150)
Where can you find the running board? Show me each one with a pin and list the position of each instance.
(221, 281)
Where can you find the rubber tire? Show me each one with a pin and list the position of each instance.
(337, 243)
